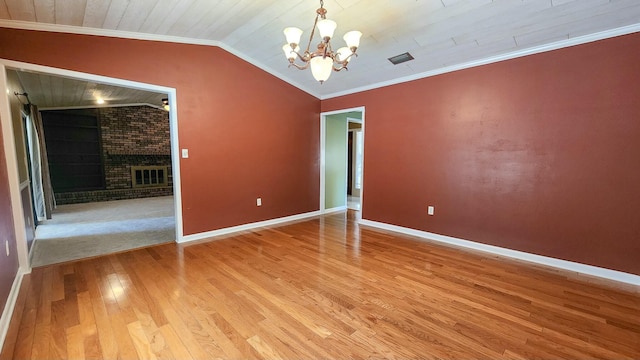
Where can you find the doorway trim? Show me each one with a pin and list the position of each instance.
(9, 141)
(323, 140)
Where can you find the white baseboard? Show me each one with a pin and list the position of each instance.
(10, 305)
(334, 210)
(520, 255)
(250, 226)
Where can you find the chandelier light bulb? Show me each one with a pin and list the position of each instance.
(293, 35)
(321, 68)
(343, 54)
(352, 38)
(326, 28)
(289, 53)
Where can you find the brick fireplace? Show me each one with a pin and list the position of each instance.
(130, 137)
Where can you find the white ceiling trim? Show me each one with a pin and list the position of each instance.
(27, 25)
(630, 29)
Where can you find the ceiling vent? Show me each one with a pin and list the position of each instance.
(399, 59)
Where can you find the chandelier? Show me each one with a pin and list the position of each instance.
(323, 60)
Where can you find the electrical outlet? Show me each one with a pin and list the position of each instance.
(431, 210)
(259, 202)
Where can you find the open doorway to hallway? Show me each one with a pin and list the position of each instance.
(113, 183)
(355, 151)
(342, 160)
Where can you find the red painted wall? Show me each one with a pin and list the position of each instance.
(539, 154)
(249, 134)
(8, 264)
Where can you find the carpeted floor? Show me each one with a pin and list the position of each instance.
(84, 230)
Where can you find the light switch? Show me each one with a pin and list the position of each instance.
(259, 202)
(430, 210)
(185, 153)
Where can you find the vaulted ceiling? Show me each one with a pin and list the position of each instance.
(440, 34)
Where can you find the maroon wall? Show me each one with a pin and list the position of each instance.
(8, 264)
(538, 154)
(249, 134)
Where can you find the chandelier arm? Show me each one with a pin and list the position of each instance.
(346, 60)
(299, 67)
(305, 58)
(340, 67)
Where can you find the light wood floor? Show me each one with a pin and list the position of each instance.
(318, 289)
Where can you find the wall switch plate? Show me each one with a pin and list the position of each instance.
(185, 153)
(430, 210)
(259, 202)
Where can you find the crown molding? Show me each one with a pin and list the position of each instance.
(28, 25)
(578, 40)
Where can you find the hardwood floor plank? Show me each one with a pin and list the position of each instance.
(319, 289)
(140, 341)
(57, 283)
(174, 342)
(75, 342)
(58, 344)
(155, 339)
(126, 346)
(42, 335)
(106, 338)
(167, 303)
(263, 348)
(26, 332)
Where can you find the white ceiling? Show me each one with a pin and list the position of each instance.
(438, 33)
(48, 91)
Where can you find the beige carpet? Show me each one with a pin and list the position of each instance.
(79, 231)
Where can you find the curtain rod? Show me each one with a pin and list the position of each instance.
(25, 95)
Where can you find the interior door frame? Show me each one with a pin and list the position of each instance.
(9, 141)
(323, 141)
(353, 149)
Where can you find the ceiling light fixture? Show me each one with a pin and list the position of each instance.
(99, 101)
(165, 104)
(323, 60)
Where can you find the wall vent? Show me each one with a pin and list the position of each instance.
(399, 59)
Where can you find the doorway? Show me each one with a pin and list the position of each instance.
(355, 150)
(341, 160)
(170, 93)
